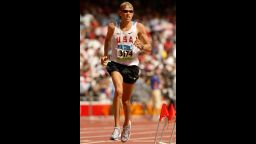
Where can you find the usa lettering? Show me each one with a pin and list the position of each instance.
(124, 39)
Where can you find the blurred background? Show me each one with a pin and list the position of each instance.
(158, 69)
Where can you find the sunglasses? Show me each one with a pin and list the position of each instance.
(126, 11)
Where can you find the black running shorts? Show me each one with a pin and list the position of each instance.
(130, 73)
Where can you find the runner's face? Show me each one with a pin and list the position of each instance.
(126, 13)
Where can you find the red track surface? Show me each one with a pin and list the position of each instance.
(98, 131)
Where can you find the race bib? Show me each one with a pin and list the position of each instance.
(124, 52)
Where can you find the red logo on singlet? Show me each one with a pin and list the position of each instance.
(125, 38)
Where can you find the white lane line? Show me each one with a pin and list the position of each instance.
(103, 131)
(111, 127)
(131, 140)
(137, 133)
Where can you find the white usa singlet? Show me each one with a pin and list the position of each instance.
(122, 45)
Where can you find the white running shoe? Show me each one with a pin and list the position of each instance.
(116, 133)
(126, 133)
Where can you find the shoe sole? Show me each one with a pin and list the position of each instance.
(116, 139)
(127, 139)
